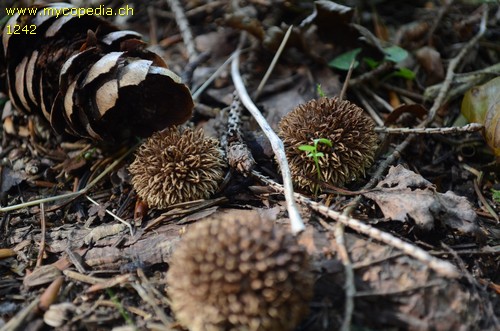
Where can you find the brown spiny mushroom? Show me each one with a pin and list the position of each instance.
(351, 133)
(239, 274)
(175, 166)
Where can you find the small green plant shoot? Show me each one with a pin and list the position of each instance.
(320, 92)
(315, 154)
(496, 195)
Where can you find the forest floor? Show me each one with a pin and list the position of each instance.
(419, 244)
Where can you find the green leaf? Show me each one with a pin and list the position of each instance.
(323, 141)
(343, 61)
(319, 154)
(371, 62)
(307, 148)
(405, 73)
(496, 195)
(395, 54)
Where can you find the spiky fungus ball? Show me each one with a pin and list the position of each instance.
(351, 133)
(239, 274)
(175, 166)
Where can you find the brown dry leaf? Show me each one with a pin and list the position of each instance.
(404, 194)
(430, 60)
(42, 275)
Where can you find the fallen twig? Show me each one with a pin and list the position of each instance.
(471, 127)
(199, 90)
(273, 63)
(238, 154)
(442, 267)
(116, 217)
(43, 229)
(183, 25)
(279, 150)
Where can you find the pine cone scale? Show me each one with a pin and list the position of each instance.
(89, 79)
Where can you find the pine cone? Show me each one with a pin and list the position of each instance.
(351, 133)
(239, 274)
(88, 78)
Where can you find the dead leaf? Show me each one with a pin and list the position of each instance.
(404, 194)
(430, 60)
(42, 275)
(11, 178)
(330, 16)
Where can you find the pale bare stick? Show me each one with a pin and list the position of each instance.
(273, 63)
(116, 217)
(442, 267)
(471, 127)
(151, 301)
(212, 77)
(369, 109)
(279, 149)
(350, 287)
(183, 24)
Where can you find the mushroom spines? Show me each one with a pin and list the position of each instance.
(239, 274)
(350, 132)
(175, 166)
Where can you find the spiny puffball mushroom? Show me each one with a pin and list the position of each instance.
(239, 274)
(175, 166)
(351, 133)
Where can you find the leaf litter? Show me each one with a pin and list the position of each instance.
(393, 290)
(405, 195)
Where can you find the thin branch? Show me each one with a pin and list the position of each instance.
(273, 63)
(279, 150)
(43, 229)
(22, 317)
(442, 267)
(471, 127)
(347, 79)
(199, 90)
(339, 231)
(145, 296)
(116, 217)
(374, 115)
(350, 287)
(183, 24)
(464, 81)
